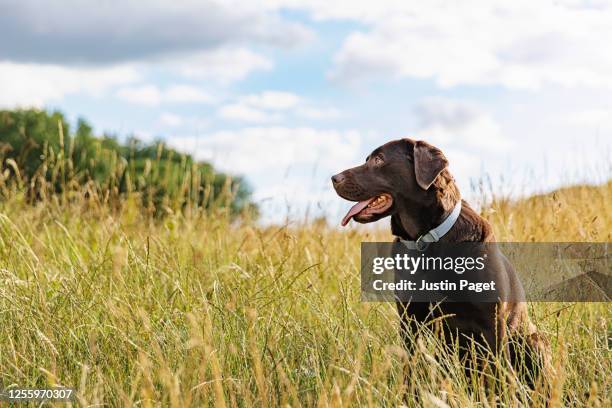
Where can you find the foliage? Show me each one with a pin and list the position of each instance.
(40, 153)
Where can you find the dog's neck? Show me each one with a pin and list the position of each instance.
(417, 219)
(410, 225)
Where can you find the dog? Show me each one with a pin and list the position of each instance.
(409, 181)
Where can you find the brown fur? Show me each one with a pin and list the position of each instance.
(424, 193)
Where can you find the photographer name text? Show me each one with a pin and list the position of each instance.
(444, 285)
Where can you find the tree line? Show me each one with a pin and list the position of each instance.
(43, 157)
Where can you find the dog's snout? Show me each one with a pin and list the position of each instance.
(338, 178)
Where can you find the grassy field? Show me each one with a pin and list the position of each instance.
(198, 310)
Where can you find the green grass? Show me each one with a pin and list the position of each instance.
(199, 310)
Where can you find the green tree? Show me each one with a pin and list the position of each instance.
(43, 148)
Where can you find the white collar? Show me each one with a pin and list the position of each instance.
(435, 234)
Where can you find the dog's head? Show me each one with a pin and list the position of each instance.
(395, 176)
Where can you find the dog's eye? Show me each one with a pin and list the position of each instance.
(378, 160)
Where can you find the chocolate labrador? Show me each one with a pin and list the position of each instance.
(410, 182)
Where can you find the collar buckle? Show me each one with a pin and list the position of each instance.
(435, 234)
(420, 244)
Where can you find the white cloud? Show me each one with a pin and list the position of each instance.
(142, 95)
(187, 94)
(519, 44)
(297, 198)
(448, 122)
(128, 30)
(197, 39)
(151, 95)
(597, 118)
(36, 85)
(224, 64)
(318, 113)
(170, 119)
(272, 100)
(260, 108)
(267, 106)
(245, 113)
(289, 168)
(273, 149)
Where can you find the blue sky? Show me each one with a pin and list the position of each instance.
(288, 92)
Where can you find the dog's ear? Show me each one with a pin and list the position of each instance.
(429, 161)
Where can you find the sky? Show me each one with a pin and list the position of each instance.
(289, 92)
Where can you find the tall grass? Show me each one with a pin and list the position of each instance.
(195, 309)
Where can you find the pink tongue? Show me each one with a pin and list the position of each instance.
(355, 210)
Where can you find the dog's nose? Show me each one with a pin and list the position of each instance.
(338, 178)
